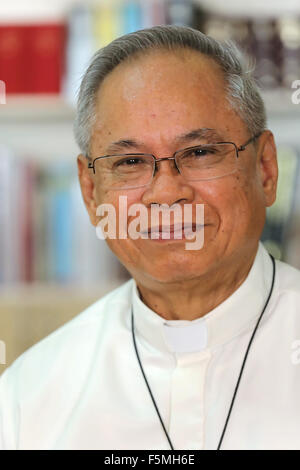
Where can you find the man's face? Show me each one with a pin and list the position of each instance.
(153, 101)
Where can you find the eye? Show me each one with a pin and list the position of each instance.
(129, 161)
(199, 152)
(203, 151)
(131, 164)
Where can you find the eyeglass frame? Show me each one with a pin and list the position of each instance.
(156, 160)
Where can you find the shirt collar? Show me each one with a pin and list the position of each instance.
(216, 327)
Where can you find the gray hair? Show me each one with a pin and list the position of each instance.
(242, 91)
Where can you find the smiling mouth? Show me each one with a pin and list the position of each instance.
(172, 232)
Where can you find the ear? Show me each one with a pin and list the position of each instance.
(87, 186)
(268, 167)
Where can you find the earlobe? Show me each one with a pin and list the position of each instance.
(87, 187)
(268, 167)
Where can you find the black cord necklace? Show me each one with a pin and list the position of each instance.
(240, 374)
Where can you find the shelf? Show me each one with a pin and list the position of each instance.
(38, 127)
(36, 107)
(43, 292)
(20, 11)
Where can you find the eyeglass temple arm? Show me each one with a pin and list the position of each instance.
(90, 163)
(242, 147)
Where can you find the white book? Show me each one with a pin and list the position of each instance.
(80, 48)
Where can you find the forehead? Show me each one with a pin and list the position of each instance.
(162, 70)
(163, 93)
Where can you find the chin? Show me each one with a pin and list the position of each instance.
(174, 273)
(172, 278)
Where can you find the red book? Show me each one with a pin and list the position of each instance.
(12, 50)
(32, 57)
(47, 45)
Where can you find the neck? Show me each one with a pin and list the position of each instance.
(195, 298)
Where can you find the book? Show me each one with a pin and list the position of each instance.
(131, 14)
(79, 49)
(32, 57)
(13, 43)
(106, 22)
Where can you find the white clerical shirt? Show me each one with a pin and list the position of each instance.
(82, 388)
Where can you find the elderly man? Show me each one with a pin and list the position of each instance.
(200, 349)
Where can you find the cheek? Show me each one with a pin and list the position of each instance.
(243, 207)
(117, 198)
(222, 197)
(118, 203)
(232, 201)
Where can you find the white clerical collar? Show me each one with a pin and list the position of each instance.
(219, 325)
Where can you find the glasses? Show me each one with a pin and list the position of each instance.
(198, 163)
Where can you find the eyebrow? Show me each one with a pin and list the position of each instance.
(210, 135)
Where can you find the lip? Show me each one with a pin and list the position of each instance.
(174, 232)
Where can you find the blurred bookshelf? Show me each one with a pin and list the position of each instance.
(51, 263)
(36, 107)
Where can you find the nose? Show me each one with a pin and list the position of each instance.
(168, 186)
